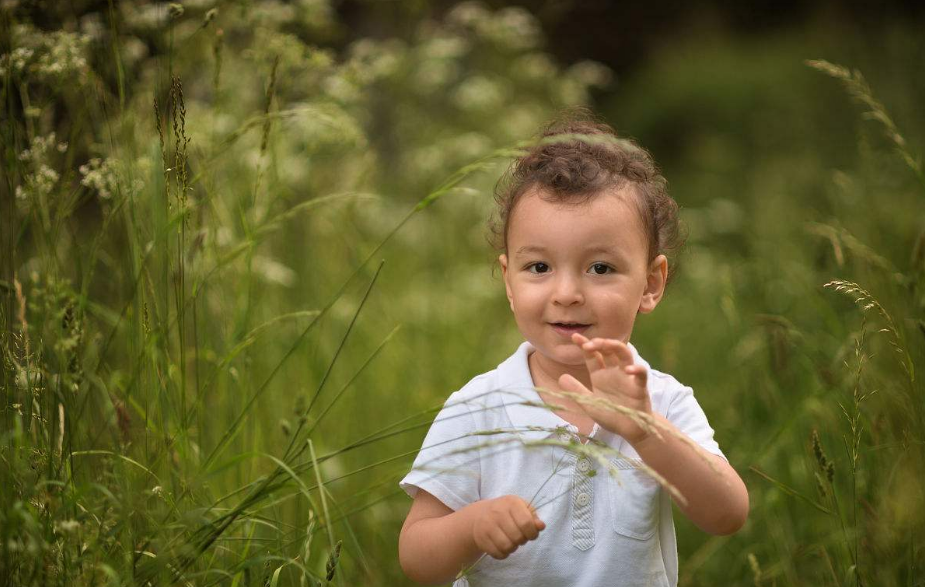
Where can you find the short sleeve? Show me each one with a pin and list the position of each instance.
(685, 413)
(447, 465)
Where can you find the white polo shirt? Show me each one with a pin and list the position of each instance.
(493, 438)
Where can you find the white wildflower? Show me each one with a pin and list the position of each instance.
(512, 27)
(468, 14)
(144, 17)
(134, 50)
(534, 67)
(67, 526)
(479, 93)
(107, 178)
(325, 126)
(223, 236)
(64, 54)
(470, 146)
(40, 178)
(92, 25)
(372, 60)
(338, 87)
(591, 73)
(434, 74)
(445, 47)
(272, 13)
(273, 271)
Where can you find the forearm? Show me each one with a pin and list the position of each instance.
(717, 500)
(433, 550)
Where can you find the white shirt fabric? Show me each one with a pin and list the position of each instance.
(494, 438)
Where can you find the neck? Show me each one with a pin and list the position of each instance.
(546, 373)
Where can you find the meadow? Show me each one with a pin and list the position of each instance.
(243, 266)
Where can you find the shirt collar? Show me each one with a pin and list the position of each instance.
(522, 402)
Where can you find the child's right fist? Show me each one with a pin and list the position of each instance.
(503, 524)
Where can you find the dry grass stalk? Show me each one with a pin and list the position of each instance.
(21, 316)
(858, 88)
(181, 142)
(866, 302)
(160, 133)
(645, 421)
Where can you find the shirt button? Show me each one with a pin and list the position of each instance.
(584, 465)
(583, 499)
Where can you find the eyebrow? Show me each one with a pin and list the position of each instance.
(536, 249)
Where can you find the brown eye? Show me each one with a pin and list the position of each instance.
(538, 268)
(600, 268)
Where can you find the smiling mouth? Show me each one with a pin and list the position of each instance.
(567, 328)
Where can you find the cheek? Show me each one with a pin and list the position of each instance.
(527, 302)
(616, 305)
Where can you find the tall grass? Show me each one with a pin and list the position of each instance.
(241, 271)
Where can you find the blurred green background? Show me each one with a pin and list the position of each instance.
(192, 284)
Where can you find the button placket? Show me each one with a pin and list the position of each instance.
(582, 505)
(584, 465)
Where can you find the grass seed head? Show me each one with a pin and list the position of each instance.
(331, 565)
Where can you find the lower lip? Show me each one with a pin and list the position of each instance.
(568, 331)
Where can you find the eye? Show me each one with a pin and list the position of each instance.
(538, 267)
(601, 268)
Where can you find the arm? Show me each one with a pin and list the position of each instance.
(436, 542)
(716, 502)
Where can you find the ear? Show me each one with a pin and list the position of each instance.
(656, 279)
(502, 259)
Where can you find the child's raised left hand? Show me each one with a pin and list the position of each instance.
(615, 378)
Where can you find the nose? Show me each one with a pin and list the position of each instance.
(567, 290)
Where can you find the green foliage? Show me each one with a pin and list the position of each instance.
(204, 378)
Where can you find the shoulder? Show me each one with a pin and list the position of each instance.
(665, 391)
(478, 391)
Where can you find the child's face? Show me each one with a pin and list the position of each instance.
(584, 264)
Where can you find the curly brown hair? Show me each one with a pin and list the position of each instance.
(577, 157)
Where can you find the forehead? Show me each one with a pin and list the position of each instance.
(610, 219)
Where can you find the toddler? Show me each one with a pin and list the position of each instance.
(559, 466)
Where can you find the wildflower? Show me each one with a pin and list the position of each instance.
(479, 93)
(67, 526)
(591, 73)
(105, 176)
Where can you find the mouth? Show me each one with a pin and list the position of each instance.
(566, 329)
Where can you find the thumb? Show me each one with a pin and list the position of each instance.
(536, 519)
(569, 383)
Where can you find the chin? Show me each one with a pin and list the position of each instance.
(572, 357)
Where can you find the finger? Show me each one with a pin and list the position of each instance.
(540, 524)
(495, 552)
(502, 543)
(579, 338)
(620, 351)
(523, 517)
(610, 358)
(593, 358)
(639, 374)
(511, 529)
